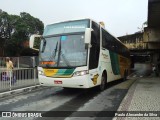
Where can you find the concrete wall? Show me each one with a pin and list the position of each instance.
(155, 57)
(134, 41)
(153, 46)
(139, 45)
(151, 35)
(152, 38)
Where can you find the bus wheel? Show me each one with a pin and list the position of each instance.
(103, 82)
(125, 75)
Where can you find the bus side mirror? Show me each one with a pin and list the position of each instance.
(88, 35)
(34, 41)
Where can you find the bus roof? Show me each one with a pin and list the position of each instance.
(70, 20)
(90, 20)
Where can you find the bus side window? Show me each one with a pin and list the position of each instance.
(95, 49)
(104, 40)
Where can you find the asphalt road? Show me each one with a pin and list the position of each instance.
(59, 99)
(142, 70)
(59, 104)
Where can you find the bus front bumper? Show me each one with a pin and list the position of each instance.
(73, 82)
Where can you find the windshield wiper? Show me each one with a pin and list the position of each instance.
(54, 52)
(56, 49)
(63, 56)
(65, 60)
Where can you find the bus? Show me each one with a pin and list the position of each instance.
(81, 54)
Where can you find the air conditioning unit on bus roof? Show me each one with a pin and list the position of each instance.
(102, 23)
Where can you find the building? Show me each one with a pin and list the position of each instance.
(134, 41)
(137, 46)
(145, 45)
(152, 32)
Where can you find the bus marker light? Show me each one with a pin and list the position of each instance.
(48, 62)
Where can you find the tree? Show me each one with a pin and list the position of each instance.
(143, 26)
(5, 29)
(14, 30)
(145, 23)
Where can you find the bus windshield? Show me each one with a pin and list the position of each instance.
(63, 51)
(66, 27)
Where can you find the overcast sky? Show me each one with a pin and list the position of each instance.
(121, 17)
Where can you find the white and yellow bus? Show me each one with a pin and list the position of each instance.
(81, 54)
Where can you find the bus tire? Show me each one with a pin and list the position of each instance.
(125, 75)
(103, 82)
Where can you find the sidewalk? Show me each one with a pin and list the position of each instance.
(143, 95)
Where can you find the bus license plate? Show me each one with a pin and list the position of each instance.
(57, 82)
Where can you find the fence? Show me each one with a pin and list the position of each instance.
(24, 73)
(21, 62)
(19, 78)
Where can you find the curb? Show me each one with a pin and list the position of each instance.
(12, 92)
(125, 103)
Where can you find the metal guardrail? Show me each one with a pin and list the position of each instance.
(18, 78)
(21, 62)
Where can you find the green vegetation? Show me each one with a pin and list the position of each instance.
(15, 30)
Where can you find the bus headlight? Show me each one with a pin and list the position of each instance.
(40, 72)
(81, 73)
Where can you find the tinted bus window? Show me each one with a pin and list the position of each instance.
(95, 49)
